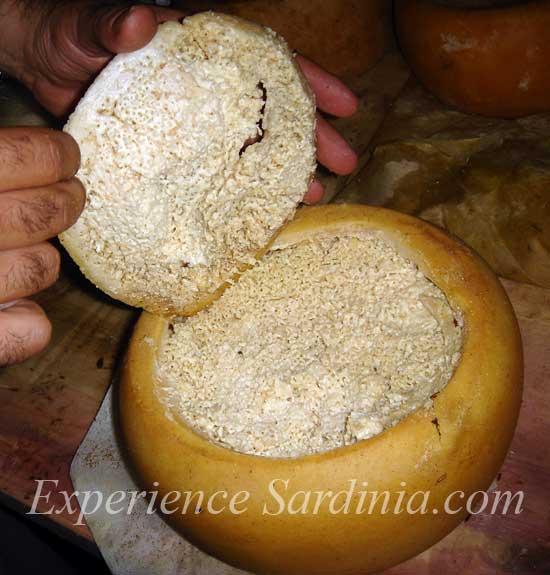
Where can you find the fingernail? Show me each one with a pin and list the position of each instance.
(8, 304)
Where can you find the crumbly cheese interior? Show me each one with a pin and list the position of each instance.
(321, 344)
(195, 150)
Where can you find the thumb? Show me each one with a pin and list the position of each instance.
(75, 40)
(102, 31)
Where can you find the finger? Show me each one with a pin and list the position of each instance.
(29, 217)
(123, 29)
(26, 271)
(333, 151)
(32, 157)
(24, 331)
(314, 193)
(332, 95)
(87, 36)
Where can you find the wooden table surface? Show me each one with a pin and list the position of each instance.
(48, 403)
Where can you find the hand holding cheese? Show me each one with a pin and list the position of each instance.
(72, 41)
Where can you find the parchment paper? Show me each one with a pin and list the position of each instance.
(135, 544)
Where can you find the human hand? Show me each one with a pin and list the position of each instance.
(66, 46)
(39, 198)
(334, 98)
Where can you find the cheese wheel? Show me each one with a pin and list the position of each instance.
(455, 442)
(489, 61)
(346, 37)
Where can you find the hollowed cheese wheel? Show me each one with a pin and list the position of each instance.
(456, 443)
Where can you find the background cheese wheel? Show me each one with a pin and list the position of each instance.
(346, 37)
(490, 61)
